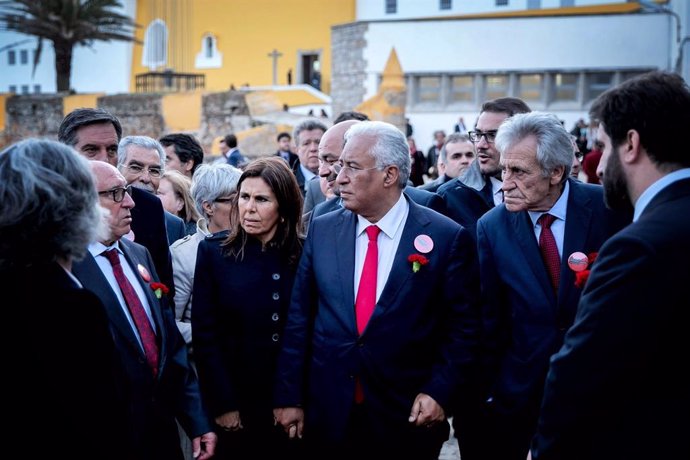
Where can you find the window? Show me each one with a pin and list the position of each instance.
(501, 2)
(391, 6)
(37, 89)
(23, 56)
(11, 57)
(565, 87)
(13, 88)
(445, 4)
(462, 88)
(496, 86)
(25, 89)
(429, 90)
(597, 83)
(208, 56)
(530, 86)
(155, 45)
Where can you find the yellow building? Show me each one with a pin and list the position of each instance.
(232, 42)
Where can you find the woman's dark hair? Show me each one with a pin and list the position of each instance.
(278, 176)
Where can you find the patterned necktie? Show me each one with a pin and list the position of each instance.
(549, 250)
(366, 294)
(136, 309)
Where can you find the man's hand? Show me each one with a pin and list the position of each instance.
(426, 411)
(291, 419)
(230, 421)
(205, 445)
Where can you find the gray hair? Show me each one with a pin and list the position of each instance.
(140, 141)
(211, 181)
(453, 138)
(554, 147)
(48, 204)
(307, 125)
(390, 146)
(67, 132)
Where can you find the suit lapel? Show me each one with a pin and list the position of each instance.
(524, 231)
(90, 275)
(577, 224)
(401, 272)
(345, 258)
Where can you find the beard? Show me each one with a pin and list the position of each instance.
(616, 185)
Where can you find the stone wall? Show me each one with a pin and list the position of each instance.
(139, 114)
(34, 115)
(348, 66)
(222, 114)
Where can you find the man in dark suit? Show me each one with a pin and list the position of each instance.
(95, 134)
(618, 388)
(284, 140)
(375, 355)
(155, 379)
(528, 292)
(479, 189)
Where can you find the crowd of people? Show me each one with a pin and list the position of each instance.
(344, 309)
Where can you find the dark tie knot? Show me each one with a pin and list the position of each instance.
(546, 219)
(373, 232)
(112, 256)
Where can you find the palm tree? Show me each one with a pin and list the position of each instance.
(66, 23)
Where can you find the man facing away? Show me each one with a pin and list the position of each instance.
(157, 385)
(383, 320)
(618, 388)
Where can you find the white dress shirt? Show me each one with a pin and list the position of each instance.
(559, 210)
(391, 226)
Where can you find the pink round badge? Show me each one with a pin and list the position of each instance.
(578, 261)
(423, 244)
(144, 273)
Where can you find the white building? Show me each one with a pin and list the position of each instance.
(556, 55)
(103, 68)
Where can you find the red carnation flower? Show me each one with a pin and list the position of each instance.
(418, 261)
(159, 289)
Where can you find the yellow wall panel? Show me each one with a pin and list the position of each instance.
(182, 111)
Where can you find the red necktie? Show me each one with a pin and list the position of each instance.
(136, 309)
(549, 250)
(366, 294)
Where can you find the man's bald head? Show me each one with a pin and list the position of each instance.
(330, 149)
(111, 184)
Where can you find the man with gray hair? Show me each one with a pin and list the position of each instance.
(141, 159)
(376, 355)
(529, 294)
(307, 136)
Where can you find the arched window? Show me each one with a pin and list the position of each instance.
(209, 57)
(155, 45)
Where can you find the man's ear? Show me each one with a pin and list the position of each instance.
(391, 177)
(631, 149)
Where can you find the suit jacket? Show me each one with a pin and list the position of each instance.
(175, 227)
(618, 387)
(149, 228)
(293, 159)
(152, 404)
(466, 204)
(313, 194)
(524, 321)
(300, 178)
(236, 159)
(62, 345)
(434, 185)
(420, 338)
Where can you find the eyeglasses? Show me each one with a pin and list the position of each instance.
(327, 161)
(579, 156)
(154, 171)
(117, 193)
(340, 166)
(476, 136)
(223, 200)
